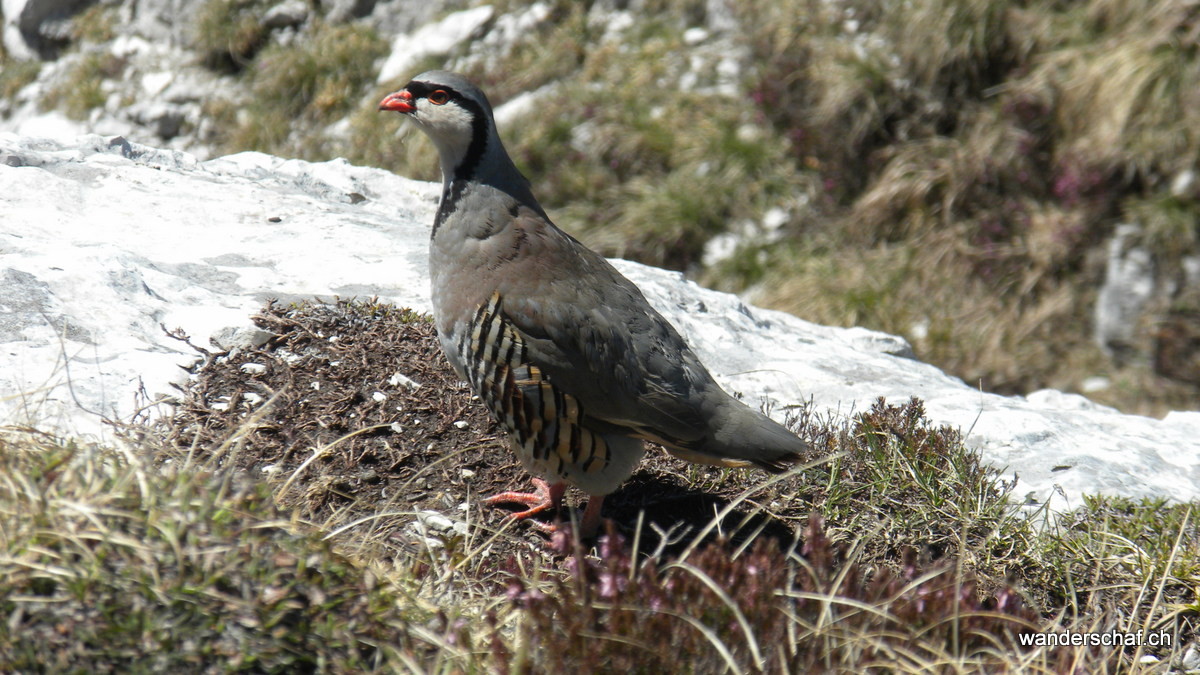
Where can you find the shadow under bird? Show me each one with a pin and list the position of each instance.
(563, 349)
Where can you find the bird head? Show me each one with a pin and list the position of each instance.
(458, 118)
(454, 113)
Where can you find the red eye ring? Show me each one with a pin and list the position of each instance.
(438, 97)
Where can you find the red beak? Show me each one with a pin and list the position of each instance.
(400, 102)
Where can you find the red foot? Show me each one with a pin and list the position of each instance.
(544, 498)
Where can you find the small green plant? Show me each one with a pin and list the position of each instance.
(15, 75)
(82, 88)
(230, 32)
(306, 86)
(94, 25)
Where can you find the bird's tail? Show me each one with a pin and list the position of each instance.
(742, 437)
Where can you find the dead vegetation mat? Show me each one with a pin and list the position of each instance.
(353, 406)
(352, 410)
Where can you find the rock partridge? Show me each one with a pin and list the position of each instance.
(565, 351)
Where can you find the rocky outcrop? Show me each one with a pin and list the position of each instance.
(1144, 314)
(1129, 285)
(38, 28)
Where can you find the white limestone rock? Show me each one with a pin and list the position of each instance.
(1129, 286)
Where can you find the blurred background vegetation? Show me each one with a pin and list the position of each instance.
(948, 171)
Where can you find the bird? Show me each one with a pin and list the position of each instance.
(565, 351)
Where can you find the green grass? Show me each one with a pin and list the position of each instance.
(311, 83)
(229, 33)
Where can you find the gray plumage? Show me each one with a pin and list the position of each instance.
(564, 350)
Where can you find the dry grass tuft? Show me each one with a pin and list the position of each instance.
(308, 83)
(229, 33)
(109, 562)
(82, 88)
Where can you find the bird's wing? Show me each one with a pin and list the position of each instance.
(595, 336)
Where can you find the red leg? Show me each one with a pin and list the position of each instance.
(544, 497)
(591, 517)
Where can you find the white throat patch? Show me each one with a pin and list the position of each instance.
(450, 128)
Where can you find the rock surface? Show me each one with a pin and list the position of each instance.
(1129, 285)
(37, 28)
(103, 242)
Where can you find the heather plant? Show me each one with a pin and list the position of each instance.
(762, 610)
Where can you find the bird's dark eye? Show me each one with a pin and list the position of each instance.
(438, 97)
